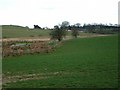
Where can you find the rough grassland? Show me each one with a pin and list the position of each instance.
(10, 31)
(82, 62)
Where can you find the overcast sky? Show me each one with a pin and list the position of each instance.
(52, 12)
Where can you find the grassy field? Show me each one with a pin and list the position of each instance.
(82, 63)
(11, 31)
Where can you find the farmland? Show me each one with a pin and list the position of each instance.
(76, 63)
(11, 31)
(59, 44)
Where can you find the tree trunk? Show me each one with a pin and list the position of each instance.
(59, 39)
(75, 36)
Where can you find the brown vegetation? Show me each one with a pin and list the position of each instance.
(16, 48)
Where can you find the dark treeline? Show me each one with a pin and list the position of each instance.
(88, 28)
(95, 28)
(101, 28)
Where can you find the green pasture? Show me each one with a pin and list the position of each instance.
(12, 31)
(76, 63)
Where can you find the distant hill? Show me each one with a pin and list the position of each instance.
(13, 27)
(14, 31)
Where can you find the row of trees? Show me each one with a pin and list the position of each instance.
(90, 28)
(101, 28)
(59, 31)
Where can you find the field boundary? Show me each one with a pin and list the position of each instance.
(46, 39)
